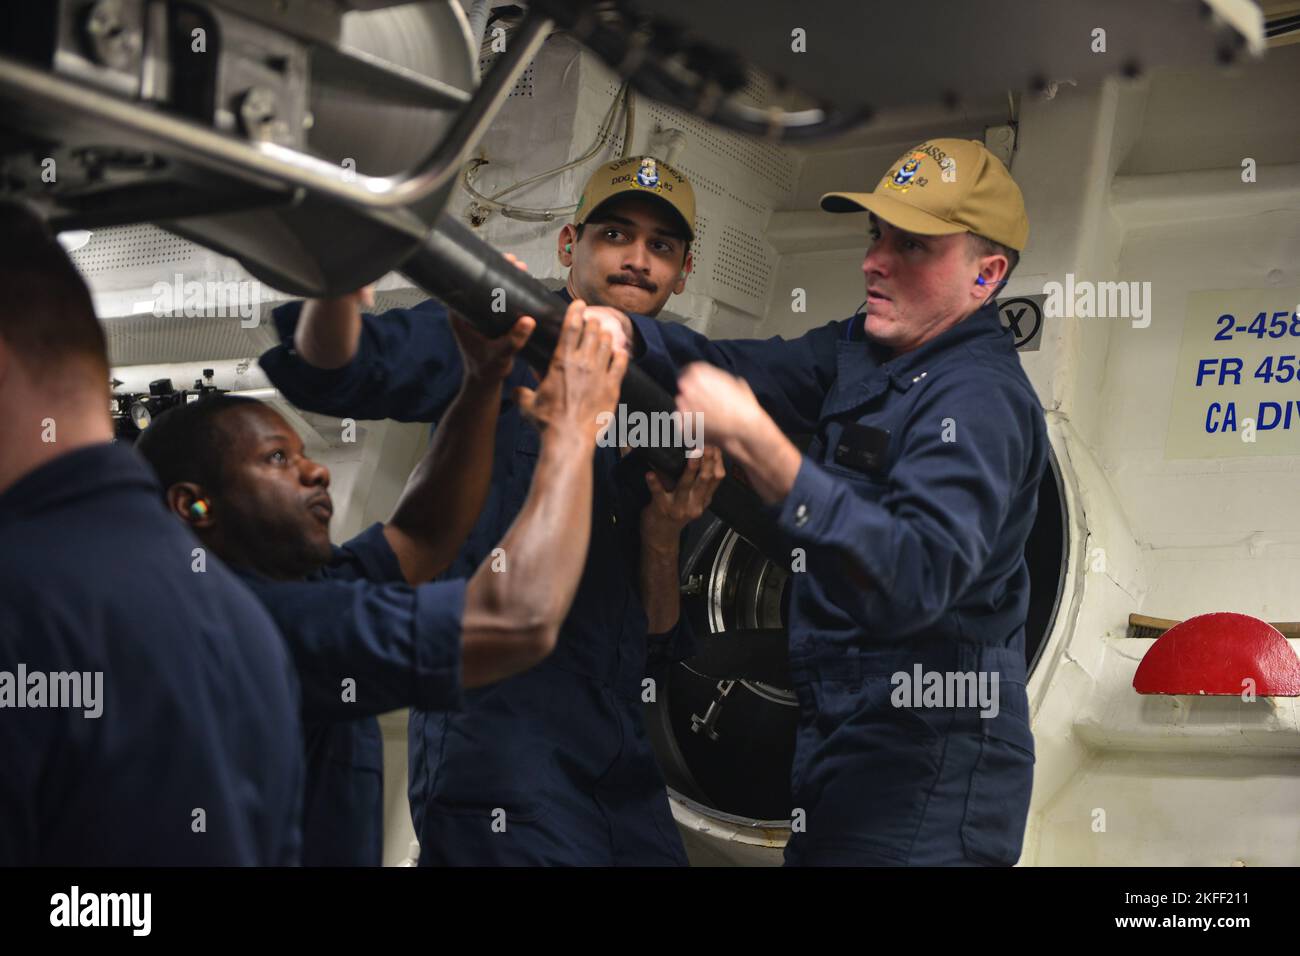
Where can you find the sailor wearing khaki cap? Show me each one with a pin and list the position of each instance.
(912, 507)
(553, 766)
(629, 244)
(954, 196)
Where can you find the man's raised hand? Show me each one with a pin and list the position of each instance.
(583, 379)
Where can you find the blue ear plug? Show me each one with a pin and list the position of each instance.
(979, 280)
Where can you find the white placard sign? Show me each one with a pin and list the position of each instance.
(1237, 388)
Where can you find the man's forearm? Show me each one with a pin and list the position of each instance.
(328, 331)
(446, 491)
(660, 593)
(525, 587)
(546, 547)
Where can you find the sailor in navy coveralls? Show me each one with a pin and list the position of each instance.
(912, 505)
(553, 766)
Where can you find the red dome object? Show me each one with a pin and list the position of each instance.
(1215, 654)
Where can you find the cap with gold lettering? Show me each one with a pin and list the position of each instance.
(945, 186)
(639, 174)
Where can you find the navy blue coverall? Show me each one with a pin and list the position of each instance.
(195, 756)
(917, 559)
(552, 766)
(358, 620)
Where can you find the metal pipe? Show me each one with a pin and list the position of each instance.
(474, 279)
(272, 165)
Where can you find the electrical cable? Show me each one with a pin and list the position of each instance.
(623, 95)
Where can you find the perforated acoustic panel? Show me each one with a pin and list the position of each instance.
(138, 269)
(756, 203)
(130, 247)
(147, 339)
(155, 339)
(523, 86)
(702, 241)
(769, 163)
(744, 263)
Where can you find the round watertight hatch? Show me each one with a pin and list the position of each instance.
(726, 745)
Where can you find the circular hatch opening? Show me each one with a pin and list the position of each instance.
(726, 747)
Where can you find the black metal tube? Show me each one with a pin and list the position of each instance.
(467, 274)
